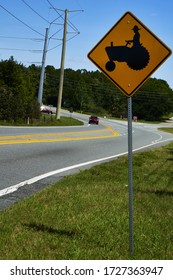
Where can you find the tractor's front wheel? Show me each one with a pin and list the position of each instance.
(110, 66)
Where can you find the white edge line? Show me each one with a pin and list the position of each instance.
(33, 180)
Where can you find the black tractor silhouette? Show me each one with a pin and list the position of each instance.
(136, 57)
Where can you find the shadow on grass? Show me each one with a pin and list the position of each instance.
(162, 192)
(50, 230)
(170, 150)
(157, 192)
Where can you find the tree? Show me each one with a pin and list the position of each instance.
(5, 100)
(16, 89)
(88, 91)
(153, 101)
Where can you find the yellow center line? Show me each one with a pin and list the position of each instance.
(49, 134)
(108, 132)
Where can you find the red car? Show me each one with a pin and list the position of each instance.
(94, 119)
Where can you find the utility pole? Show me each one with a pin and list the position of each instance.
(40, 91)
(61, 80)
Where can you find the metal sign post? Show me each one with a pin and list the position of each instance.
(128, 54)
(130, 176)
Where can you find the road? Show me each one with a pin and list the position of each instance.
(33, 157)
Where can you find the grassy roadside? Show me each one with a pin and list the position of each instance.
(85, 216)
(47, 120)
(167, 129)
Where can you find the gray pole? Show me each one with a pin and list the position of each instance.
(130, 176)
(61, 80)
(40, 91)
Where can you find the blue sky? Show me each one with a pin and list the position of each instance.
(23, 24)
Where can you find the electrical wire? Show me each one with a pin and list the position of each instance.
(61, 43)
(50, 23)
(22, 38)
(140, 95)
(24, 50)
(34, 11)
(69, 23)
(20, 20)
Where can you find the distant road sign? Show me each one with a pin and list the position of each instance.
(129, 53)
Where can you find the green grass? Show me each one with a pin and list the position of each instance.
(46, 120)
(85, 216)
(64, 121)
(167, 129)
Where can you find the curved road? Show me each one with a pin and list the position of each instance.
(33, 157)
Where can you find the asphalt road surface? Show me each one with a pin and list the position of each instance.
(31, 158)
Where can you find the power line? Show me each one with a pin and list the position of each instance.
(69, 23)
(140, 95)
(50, 23)
(54, 8)
(20, 20)
(35, 39)
(54, 47)
(60, 43)
(32, 62)
(24, 50)
(21, 38)
(34, 11)
(79, 4)
(51, 37)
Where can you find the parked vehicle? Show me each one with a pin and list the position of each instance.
(93, 119)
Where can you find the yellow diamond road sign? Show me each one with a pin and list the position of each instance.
(129, 53)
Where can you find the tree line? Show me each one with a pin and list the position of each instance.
(84, 91)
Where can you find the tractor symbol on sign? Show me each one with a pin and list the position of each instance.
(136, 57)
